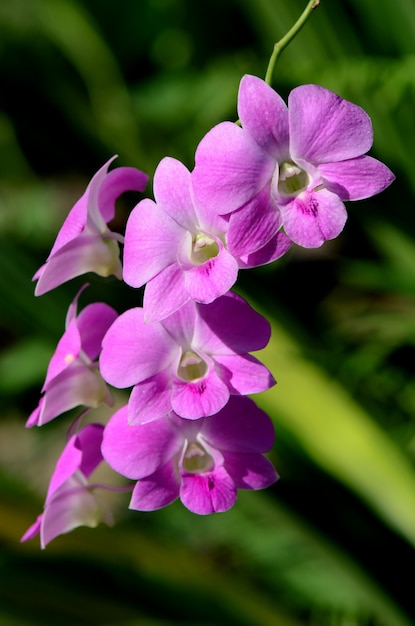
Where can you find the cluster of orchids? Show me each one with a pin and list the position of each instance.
(277, 177)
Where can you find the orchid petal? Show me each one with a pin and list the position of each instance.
(152, 241)
(73, 505)
(133, 350)
(250, 471)
(33, 419)
(209, 492)
(73, 225)
(67, 351)
(253, 225)
(181, 323)
(211, 279)
(89, 441)
(76, 385)
(264, 115)
(172, 191)
(117, 182)
(313, 217)
(325, 128)
(95, 222)
(68, 463)
(72, 311)
(83, 452)
(138, 451)
(93, 322)
(86, 253)
(164, 294)
(273, 250)
(199, 398)
(240, 427)
(210, 222)
(150, 399)
(244, 374)
(33, 530)
(157, 490)
(356, 179)
(231, 168)
(230, 325)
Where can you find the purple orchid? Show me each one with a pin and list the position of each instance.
(70, 500)
(190, 362)
(289, 167)
(73, 377)
(180, 250)
(85, 243)
(202, 462)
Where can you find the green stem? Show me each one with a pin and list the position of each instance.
(283, 43)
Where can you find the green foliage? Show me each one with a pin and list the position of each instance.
(329, 545)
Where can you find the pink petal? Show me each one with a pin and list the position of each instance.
(152, 241)
(239, 427)
(77, 385)
(73, 505)
(165, 294)
(93, 322)
(68, 463)
(67, 351)
(95, 221)
(172, 191)
(73, 225)
(33, 530)
(231, 168)
(33, 419)
(157, 490)
(133, 350)
(356, 179)
(264, 115)
(311, 218)
(181, 324)
(244, 374)
(205, 396)
(86, 253)
(324, 128)
(72, 311)
(254, 224)
(211, 222)
(150, 399)
(89, 441)
(230, 325)
(210, 492)
(250, 471)
(208, 281)
(117, 182)
(138, 451)
(273, 250)
(77, 218)
(82, 452)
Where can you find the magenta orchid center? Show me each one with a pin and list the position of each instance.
(196, 459)
(203, 248)
(291, 179)
(191, 367)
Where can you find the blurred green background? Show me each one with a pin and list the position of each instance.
(332, 543)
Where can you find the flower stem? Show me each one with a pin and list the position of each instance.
(283, 43)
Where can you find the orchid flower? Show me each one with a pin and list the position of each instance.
(287, 167)
(85, 243)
